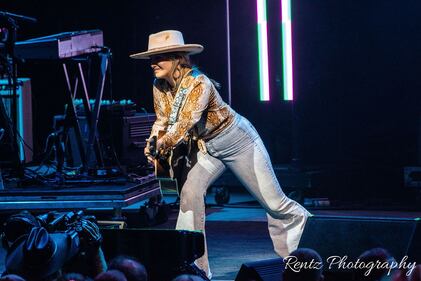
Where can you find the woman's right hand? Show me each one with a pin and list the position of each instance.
(147, 152)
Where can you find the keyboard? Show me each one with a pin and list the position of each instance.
(61, 45)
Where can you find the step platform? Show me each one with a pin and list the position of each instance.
(91, 193)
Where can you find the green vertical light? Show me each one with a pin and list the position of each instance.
(262, 39)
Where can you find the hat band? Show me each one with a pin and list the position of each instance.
(166, 47)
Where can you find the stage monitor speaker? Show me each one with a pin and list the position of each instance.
(165, 253)
(349, 237)
(264, 270)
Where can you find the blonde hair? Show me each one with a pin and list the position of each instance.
(182, 64)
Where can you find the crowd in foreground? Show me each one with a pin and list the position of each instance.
(37, 251)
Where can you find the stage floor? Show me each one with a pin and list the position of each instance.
(237, 232)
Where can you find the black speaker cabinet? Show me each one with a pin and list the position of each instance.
(128, 135)
(348, 237)
(264, 270)
(121, 137)
(165, 253)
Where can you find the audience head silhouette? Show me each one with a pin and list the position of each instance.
(111, 275)
(303, 264)
(74, 276)
(188, 277)
(130, 266)
(375, 255)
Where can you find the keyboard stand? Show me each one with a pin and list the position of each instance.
(92, 114)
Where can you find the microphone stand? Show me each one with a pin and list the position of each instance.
(13, 81)
(17, 17)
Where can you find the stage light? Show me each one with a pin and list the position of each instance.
(262, 39)
(287, 49)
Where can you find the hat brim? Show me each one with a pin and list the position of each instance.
(16, 264)
(190, 49)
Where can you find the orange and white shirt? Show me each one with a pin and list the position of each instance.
(202, 110)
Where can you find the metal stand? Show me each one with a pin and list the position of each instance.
(92, 114)
(1, 176)
(12, 22)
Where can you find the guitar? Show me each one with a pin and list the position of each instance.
(172, 165)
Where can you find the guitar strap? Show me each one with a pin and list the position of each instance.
(175, 110)
(183, 158)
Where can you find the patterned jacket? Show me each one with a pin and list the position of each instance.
(202, 112)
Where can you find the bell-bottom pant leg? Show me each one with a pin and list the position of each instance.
(286, 218)
(192, 199)
(241, 149)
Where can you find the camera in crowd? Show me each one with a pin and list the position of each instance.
(39, 246)
(82, 229)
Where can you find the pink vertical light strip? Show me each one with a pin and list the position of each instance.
(227, 4)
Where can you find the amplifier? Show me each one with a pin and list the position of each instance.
(128, 136)
(122, 138)
(24, 113)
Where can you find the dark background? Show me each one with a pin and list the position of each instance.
(356, 76)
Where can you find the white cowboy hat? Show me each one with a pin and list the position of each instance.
(167, 41)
